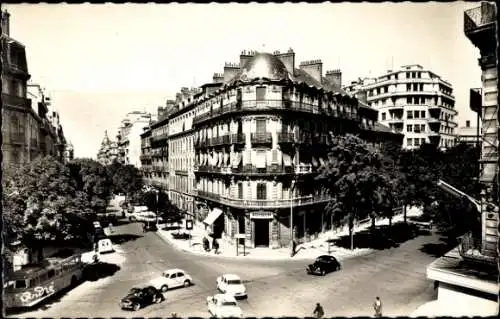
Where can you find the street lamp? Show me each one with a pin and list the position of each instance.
(292, 185)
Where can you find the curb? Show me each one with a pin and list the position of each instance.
(278, 258)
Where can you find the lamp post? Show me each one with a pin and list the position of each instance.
(156, 192)
(292, 184)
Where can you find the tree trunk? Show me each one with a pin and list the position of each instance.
(390, 221)
(351, 233)
(373, 223)
(404, 213)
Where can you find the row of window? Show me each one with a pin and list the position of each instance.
(419, 114)
(415, 128)
(415, 141)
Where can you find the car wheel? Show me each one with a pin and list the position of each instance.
(137, 307)
(158, 299)
(322, 272)
(164, 288)
(187, 283)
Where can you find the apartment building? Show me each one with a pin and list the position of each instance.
(30, 126)
(413, 101)
(260, 135)
(469, 134)
(182, 189)
(128, 138)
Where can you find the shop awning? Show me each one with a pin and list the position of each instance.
(212, 216)
(287, 161)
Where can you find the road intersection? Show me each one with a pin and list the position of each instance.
(397, 275)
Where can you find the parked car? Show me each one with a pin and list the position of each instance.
(322, 265)
(105, 246)
(231, 284)
(138, 298)
(223, 306)
(172, 278)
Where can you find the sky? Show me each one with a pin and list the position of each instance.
(99, 62)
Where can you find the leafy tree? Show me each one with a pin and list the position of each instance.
(126, 178)
(354, 175)
(41, 203)
(92, 179)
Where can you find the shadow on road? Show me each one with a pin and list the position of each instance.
(171, 227)
(383, 237)
(439, 249)
(123, 238)
(99, 270)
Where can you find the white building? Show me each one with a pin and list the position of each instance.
(129, 137)
(413, 101)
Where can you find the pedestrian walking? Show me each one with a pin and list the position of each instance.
(377, 306)
(216, 246)
(206, 244)
(294, 247)
(318, 311)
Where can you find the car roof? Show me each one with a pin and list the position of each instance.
(225, 297)
(326, 257)
(169, 271)
(232, 277)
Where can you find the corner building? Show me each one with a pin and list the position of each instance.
(260, 134)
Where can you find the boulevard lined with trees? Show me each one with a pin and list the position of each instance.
(46, 200)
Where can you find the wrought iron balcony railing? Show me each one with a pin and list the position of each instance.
(253, 170)
(260, 138)
(15, 100)
(470, 250)
(264, 203)
(263, 105)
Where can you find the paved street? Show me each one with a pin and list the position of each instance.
(396, 275)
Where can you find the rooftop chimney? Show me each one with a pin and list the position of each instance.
(245, 56)
(335, 78)
(5, 23)
(288, 60)
(314, 68)
(230, 70)
(218, 78)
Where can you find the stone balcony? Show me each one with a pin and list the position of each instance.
(263, 203)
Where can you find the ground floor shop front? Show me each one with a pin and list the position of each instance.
(265, 228)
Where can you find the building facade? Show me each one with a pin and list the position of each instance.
(469, 134)
(413, 101)
(128, 138)
(467, 276)
(29, 127)
(108, 152)
(260, 135)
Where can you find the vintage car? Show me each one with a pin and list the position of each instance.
(231, 284)
(223, 306)
(172, 278)
(322, 265)
(138, 298)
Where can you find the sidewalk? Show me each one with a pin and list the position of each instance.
(308, 250)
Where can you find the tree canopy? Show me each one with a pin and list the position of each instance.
(126, 179)
(41, 202)
(92, 179)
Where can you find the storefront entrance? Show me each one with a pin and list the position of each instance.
(261, 238)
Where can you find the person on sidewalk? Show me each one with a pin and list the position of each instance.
(216, 246)
(294, 248)
(206, 244)
(318, 311)
(377, 306)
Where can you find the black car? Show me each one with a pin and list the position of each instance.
(149, 226)
(322, 265)
(137, 298)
